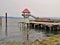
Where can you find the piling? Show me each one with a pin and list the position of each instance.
(6, 25)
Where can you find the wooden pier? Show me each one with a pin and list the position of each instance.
(48, 26)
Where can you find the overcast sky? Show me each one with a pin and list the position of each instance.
(39, 8)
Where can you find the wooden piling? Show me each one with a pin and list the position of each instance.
(6, 25)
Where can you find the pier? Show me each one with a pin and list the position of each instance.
(46, 24)
(42, 24)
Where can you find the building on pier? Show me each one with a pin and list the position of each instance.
(43, 20)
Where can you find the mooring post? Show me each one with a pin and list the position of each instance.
(6, 25)
(28, 31)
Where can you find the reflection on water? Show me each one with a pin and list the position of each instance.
(15, 34)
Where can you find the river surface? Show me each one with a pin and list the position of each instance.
(15, 34)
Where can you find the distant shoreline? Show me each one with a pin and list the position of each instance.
(40, 17)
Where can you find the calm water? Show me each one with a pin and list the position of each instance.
(15, 34)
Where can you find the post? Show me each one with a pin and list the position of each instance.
(6, 25)
(28, 29)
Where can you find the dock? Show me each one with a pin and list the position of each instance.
(48, 26)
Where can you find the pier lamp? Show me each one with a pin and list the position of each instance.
(26, 14)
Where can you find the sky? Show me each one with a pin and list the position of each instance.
(39, 8)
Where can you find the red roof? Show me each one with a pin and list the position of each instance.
(26, 11)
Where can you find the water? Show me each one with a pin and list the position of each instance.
(15, 34)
